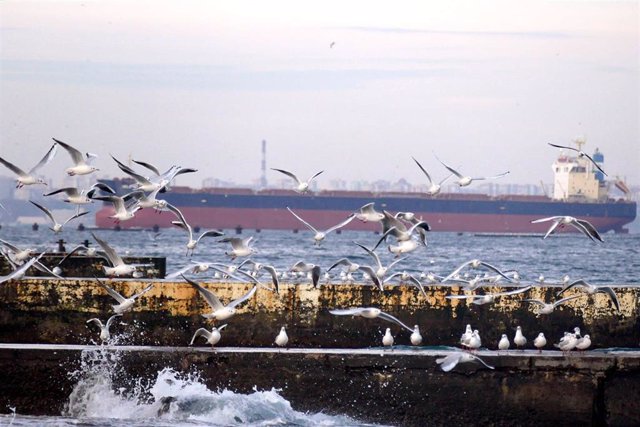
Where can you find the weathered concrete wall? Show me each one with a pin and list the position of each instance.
(383, 386)
(55, 311)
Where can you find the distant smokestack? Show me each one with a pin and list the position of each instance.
(263, 178)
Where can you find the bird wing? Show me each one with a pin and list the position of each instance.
(456, 271)
(78, 215)
(45, 210)
(449, 362)
(70, 191)
(13, 168)
(111, 254)
(355, 311)
(494, 176)
(22, 269)
(73, 251)
(309, 226)
(513, 292)
(368, 208)
(473, 356)
(423, 170)
(342, 224)
(243, 298)
(179, 272)
(496, 270)
(594, 163)
(578, 282)
(390, 318)
(563, 300)
(104, 187)
(614, 298)
(115, 295)
(10, 246)
(370, 252)
(311, 179)
(372, 274)
(450, 169)
(588, 229)
(392, 230)
(202, 332)
(111, 319)
(274, 275)
(289, 174)
(75, 154)
(209, 296)
(342, 261)
(210, 233)
(46, 159)
(563, 146)
(550, 218)
(147, 289)
(552, 229)
(535, 301)
(149, 166)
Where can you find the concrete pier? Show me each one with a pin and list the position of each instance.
(401, 386)
(333, 364)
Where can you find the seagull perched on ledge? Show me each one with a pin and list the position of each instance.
(561, 220)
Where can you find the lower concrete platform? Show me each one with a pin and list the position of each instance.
(398, 386)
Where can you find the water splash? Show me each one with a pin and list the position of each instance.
(174, 399)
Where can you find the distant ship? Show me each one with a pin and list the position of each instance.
(580, 190)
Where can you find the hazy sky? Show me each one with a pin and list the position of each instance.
(482, 84)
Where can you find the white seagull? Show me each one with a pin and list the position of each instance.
(433, 187)
(302, 186)
(122, 211)
(520, 340)
(82, 163)
(476, 264)
(124, 304)
(540, 341)
(320, 235)
(416, 338)
(20, 272)
(182, 223)
(219, 310)
(309, 268)
(28, 178)
(367, 213)
(463, 181)
(282, 339)
(489, 298)
(546, 308)
(580, 154)
(105, 335)
(387, 339)
(503, 344)
(452, 360)
(212, 337)
(380, 270)
(579, 224)
(57, 227)
(239, 247)
(593, 289)
(118, 266)
(369, 313)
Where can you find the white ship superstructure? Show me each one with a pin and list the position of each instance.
(576, 178)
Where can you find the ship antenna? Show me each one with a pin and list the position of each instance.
(263, 178)
(580, 141)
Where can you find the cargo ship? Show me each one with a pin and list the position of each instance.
(580, 190)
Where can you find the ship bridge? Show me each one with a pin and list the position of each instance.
(576, 178)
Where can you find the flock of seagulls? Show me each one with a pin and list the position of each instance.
(402, 233)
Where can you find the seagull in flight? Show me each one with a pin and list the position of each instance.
(367, 213)
(28, 178)
(304, 267)
(547, 308)
(219, 310)
(212, 337)
(433, 187)
(302, 186)
(239, 247)
(119, 267)
(122, 211)
(593, 289)
(475, 264)
(57, 227)
(452, 360)
(320, 235)
(20, 272)
(369, 313)
(124, 304)
(489, 298)
(579, 224)
(105, 335)
(580, 154)
(82, 162)
(182, 223)
(380, 270)
(463, 181)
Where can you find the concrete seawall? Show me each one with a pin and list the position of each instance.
(399, 387)
(331, 365)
